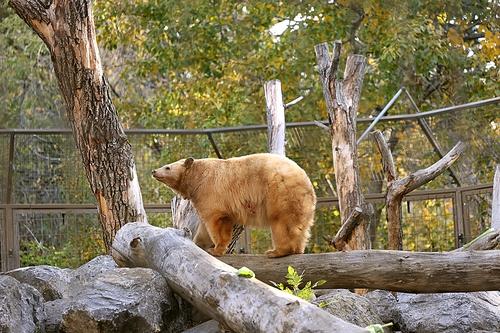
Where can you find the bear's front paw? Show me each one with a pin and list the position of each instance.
(276, 253)
(216, 252)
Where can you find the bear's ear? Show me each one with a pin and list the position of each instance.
(188, 162)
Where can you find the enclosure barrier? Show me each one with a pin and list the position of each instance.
(463, 210)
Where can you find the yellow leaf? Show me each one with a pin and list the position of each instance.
(454, 37)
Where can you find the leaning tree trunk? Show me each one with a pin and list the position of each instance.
(67, 28)
(342, 100)
(240, 303)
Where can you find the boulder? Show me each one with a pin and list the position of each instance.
(117, 300)
(21, 307)
(51, 282)
(385, 304)
(450, 313)
(88, 271)
(348, 306)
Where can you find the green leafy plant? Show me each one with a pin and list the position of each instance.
(294, 280)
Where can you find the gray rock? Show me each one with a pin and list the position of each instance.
(385, 304)
(88, 272)
(450, 313)
(53, 315)
(350, 307)
(50, 281)
(117, 300)
(21, 307)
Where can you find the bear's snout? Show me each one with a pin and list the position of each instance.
(153, 173)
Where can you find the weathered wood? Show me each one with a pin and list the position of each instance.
(398, 188)
(67, 28)
(495, 204)
(345, 231)
(488, 240)
(275, 117)
(393, 203)
(342, 100)
(416, 272)
(242, 304)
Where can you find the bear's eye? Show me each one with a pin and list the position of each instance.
(167, 168)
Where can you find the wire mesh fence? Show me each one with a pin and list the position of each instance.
(47, 169)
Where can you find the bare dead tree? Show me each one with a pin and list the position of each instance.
(397, 188)
(342, 99)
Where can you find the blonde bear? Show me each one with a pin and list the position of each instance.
(260, 190)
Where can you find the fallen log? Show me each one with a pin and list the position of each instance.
(415, 272)
(242, 304)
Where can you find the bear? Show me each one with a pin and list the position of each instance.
(258, 190)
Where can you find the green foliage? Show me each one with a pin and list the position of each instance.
(294, 280)
(77, 250)
(377, 328)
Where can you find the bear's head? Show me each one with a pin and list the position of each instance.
(173, 174)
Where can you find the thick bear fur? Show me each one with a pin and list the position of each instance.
(260, 190)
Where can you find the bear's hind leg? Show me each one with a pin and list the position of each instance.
(220, 230)
(287, 239)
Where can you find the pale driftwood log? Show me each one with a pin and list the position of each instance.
(342, 100)
(242, 304)
(67, 28)
(415, 272)
(398, 188)
(495, 205)
(490, 239)
(275, 110)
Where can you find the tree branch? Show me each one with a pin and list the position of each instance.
(387, 160)
(345, 231)
(38, 15)
(423, 176)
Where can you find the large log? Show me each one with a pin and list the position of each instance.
(342, 98)
(242, 304)
(415, 272)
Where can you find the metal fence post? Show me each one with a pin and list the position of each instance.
(459, 219)
(10, 250)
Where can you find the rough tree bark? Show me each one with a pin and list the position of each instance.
(67, 28)
(342, 100)
(242, 304)
(415, 272)
(398, 188)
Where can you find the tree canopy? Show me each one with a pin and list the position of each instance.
(202, 63)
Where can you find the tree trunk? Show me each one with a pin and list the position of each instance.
(342, 99)
(415, 272)
(67, 28)
(242, 304)
(398, 188)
